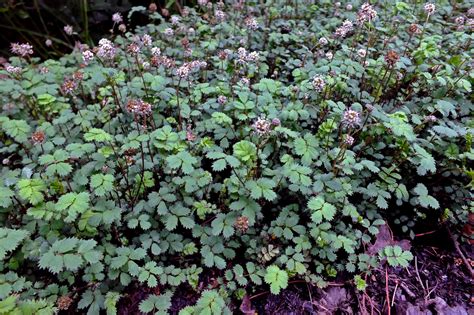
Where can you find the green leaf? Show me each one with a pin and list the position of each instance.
(98, 135)
(102, 184)
(321, 209)
(31, 190)
(183, 160)
(17, 129)
(73, 204)
(5, 196)
(245, 150)
(10, 239)
(276, 278)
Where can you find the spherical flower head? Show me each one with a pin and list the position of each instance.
(117, 18)
(106, 49)
(87, 56)
(68, 87)
(144, 108)
(470, 23)
(132, 106)
(431, 118)
(221, 99)
(169, 32)
(362, 53)
(351, 118)
(251, 23)
(190, 136)
(48, 42)
(245, 81)
(276, 122)
(68, 30)
(318, 83)
(146, 40)
(23, 50)
(12, 69)
(38, 137)
(344, 29)
(329, 55)
(220, 15)
(349, 7)
(348, 25)
(183, 71)
(133, 48)
(348, 140)
(262, 127)
(429, 8)
(253, 56)
(78, 76)
(323, 41)
(202, 2)
(470, 12)
(175, 20)
(156, 51)
(242, 55)
(366, 13)
(459, 20)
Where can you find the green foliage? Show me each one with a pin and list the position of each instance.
(232, 160)
(276, 278)
(396, 256)
(10, 239)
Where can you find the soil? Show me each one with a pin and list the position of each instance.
(436, 282)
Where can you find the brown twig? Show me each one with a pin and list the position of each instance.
(461, 254)
(387, 291)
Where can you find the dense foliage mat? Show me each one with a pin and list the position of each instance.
(233, 149)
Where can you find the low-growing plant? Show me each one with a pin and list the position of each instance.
(234, 148)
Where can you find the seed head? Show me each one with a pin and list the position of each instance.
(38, 137)
(414, 29)
(391, 58)
(242, 224)
(122, 28)
(64, 302)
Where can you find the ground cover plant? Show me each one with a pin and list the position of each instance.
(233, 149)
